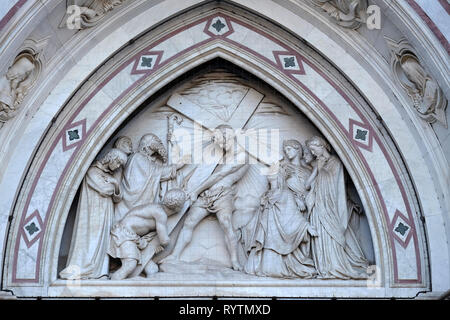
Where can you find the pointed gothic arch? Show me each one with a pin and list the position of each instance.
(391, 169)
(123, 83)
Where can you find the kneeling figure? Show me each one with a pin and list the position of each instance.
(140, 226)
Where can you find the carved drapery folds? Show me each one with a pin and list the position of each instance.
(427, 97)
(83, 14)
(346, 13)
(16, 82)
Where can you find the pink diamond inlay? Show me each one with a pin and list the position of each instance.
(402, 229)
(74, 134)
(147, 62)
(361, 134)
(32, 228)
(289, 61)
(219, 27)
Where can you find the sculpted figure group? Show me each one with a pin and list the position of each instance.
(121, 209)
(300, 229)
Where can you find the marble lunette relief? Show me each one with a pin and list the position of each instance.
(221, 177)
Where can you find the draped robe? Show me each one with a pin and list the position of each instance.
(279, 243)
(88, 257)
(335, 251)
(141, 182)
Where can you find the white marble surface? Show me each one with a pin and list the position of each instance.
(420, 169)
(437, 14)
(394, 121)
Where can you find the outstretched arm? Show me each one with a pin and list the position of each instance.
(216, 177)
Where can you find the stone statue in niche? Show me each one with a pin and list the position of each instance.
(83, 14)
(138, 228)
(335, 250)
(13, 87)
(280, 233)
(427, 97)
(88, 257)
(346, 13)
(215, 195)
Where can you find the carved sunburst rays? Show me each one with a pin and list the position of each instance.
(221, 101)
(219, 93)
(188, 138)
(195, 143)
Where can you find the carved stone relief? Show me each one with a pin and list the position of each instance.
(88, 257)
(229, 182)
(427, 97)
(15, 84)
(346, 13)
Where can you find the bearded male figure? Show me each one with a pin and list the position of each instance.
(216, 195)
(142, 176)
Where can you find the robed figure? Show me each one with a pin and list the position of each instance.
(142, 176)
(335, 250)
(279, 244)
(95, 214)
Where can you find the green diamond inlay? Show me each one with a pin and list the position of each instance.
(218, 25)
(146, 62)
(401, 228)
(289, 62)
(73, 134)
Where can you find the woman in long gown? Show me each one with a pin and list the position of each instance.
(88, 257)
(335, 251)
(279, 245)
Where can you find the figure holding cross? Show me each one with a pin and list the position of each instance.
(215, 195)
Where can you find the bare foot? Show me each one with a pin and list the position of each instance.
(236, 266)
